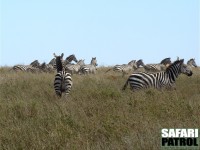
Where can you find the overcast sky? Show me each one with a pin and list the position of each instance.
(114, 31)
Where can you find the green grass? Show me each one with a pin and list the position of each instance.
(96, 115)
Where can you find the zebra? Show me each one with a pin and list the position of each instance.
(26, 68)
(163, 79)
(63, 81)
(90, 68)
(158, 67)
(192, 63)
(74, 68)
(125, 68)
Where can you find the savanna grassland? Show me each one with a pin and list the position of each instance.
(96, 115)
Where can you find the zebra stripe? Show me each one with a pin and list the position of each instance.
(158, 80)
(63, 80)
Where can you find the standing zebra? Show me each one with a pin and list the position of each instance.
(90, 68)
(27, 68)
(74, 68)
(158, 67)
(158, 80)
(63, 80)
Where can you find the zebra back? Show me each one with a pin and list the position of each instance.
(74, 68)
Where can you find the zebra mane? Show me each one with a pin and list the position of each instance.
(59, 62)
(174, 64)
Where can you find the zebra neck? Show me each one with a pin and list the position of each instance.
(172, 74)
(67, 62)
(59, 65)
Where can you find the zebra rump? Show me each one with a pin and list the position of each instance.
(62, 83)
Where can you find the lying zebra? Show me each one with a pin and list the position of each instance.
(33, 67)
(158, 67)
(125, 68)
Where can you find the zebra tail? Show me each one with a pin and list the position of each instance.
(125, 85)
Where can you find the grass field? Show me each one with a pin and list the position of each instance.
(96, 115)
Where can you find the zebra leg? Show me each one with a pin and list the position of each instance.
(125, 85)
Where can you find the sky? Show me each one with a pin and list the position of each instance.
(113, 31)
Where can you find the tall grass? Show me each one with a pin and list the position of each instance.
(96, 115)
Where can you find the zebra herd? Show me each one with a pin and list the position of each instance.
(159, 76)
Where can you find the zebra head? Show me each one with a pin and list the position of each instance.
(139, 63)
(35, 63)
(192, 63)
(53, 61)
(177, 68)
(59, 62)
(43, 67)
(166, 61)
(133, 64)
(185, 69)
(70, 58)
(94, 61)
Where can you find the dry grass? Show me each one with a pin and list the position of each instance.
(96, 115)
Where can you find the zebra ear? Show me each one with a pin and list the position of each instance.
(54, 55)
(62, 55)
(182, 60)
